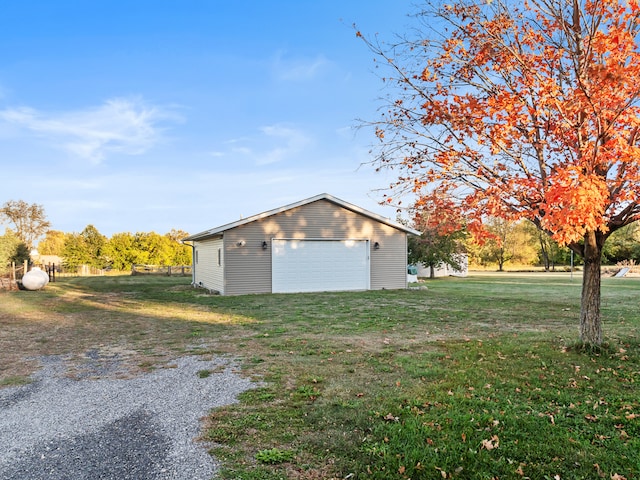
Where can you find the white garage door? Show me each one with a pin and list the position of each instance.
(319, 265)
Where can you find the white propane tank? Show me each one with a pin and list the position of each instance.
(35, 279)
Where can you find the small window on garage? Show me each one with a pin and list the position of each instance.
(196, 255)
(219, 257)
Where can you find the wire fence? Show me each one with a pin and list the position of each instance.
(11, 275)
(167, 270)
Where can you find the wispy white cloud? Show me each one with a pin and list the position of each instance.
(242, 151)
(270, 144)
(120, 125)
(299, 69)
(289, 141)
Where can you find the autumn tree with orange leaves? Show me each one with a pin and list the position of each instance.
(520, 110)
(442, 239)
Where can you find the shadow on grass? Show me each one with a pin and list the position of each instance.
(464, 377)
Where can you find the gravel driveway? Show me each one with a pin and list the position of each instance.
(140, 428)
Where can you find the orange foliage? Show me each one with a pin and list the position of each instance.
(437, 213)
(575, 203)
(522, 113)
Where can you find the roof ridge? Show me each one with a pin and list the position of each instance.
(322, 196)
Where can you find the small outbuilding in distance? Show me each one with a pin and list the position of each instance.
(318, 244)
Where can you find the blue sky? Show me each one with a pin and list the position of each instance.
(146, 115)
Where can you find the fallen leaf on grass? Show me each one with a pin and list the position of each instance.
(551, 418)
(490, 444)
(390, 418)
(443, 474)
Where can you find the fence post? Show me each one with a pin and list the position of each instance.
(50, 268)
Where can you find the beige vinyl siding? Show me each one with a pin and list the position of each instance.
(207, 271)
(389, 262)
(248, 266)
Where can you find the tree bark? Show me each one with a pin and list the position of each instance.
(543, 250)
(590, 320)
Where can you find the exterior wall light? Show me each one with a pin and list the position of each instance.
(376, 246)
(264, 245)
(241, 243)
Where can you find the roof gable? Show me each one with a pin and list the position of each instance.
(323, 196)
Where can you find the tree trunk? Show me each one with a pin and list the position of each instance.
(590, 321)
(543, 250)
(432, 272)
(501, 259)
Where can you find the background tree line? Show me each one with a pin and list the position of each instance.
(515, 243)
(119, 252)
(28, 223)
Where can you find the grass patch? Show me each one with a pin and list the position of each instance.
(473, 378)
(14, 381)
(274, 456)
(506, 409)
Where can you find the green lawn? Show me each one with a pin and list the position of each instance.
(470, 378)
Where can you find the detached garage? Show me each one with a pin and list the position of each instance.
(318, 244)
